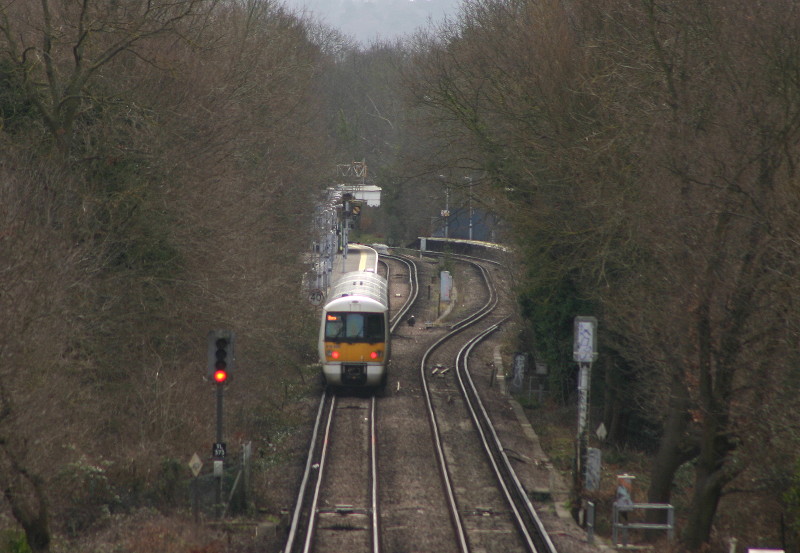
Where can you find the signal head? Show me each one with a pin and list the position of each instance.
(220, 376)
(221, 356)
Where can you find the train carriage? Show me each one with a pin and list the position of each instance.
(354, 343)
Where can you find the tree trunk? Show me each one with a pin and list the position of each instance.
(25, 495)
(29, 508)
(707, 492)
(674, 450)
(715, 394)
(612, 405)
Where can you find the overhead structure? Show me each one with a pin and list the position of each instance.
(354, 176)
(335, 215)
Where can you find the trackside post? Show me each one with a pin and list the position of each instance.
(584, 352)
(221, 360)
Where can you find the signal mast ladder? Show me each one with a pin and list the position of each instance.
(669, 526)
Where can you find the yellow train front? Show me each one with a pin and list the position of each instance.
(354, 343)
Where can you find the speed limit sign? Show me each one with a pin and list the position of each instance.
(316, 297)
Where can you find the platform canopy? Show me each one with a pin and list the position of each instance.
(368, 193)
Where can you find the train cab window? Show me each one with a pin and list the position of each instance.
(354, 327)
(373, 327)
(334, 326)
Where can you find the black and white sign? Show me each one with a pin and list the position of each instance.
(316, 297)
(584, 349)
(219, 450)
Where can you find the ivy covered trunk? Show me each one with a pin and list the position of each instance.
(674, 450)
(25, 494)
(709, 481)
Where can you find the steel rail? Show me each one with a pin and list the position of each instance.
(313, 507)
(321, 465)
(469, 402)
(493, 443)
(474, 403)
(455, 516)
(297, 515)
(487, 308)
(298, 508)
(373, 441)
(413, 284)
(532, 533)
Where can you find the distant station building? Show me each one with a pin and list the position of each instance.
(368, 193)
(334, 215)
(355, 176)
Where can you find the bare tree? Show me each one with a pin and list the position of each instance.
(56, 48)
(40, 263)
(186, 212)
(648, 154)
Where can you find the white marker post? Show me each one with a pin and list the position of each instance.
(584, 351)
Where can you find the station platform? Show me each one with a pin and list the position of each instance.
(358, 258)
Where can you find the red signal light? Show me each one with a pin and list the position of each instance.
(221, 357)
(220, 376)
(335, 354)
(373, 355)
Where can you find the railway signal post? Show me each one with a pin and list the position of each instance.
(221, 361)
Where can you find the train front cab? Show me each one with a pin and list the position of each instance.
(355, 347)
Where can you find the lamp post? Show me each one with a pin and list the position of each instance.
(446, 210)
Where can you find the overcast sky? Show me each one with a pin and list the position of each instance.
(367, 20)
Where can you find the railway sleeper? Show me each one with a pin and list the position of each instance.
(339, 519)
(345, 510)
(487, 512)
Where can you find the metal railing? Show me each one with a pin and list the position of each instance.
(625, 526)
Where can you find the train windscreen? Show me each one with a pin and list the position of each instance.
(354, 327)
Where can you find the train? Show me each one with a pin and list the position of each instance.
(354, 336)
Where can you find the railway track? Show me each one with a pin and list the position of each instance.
(337, 504)
(346, 504)
(532, 532)
(410, 282)
(343, 511)
(489, 508)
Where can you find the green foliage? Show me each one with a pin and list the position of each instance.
(160, 135)
(16, 111)
(550, 309)
(276, 428)
(367, 238)
(527, 401)
(792, 499)
(145, 248)
(136, 234)
(169, 489)
(13, 541)
(616, 456)
(446, 262)
(133, 234)
(346, 132)
(87, 494)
